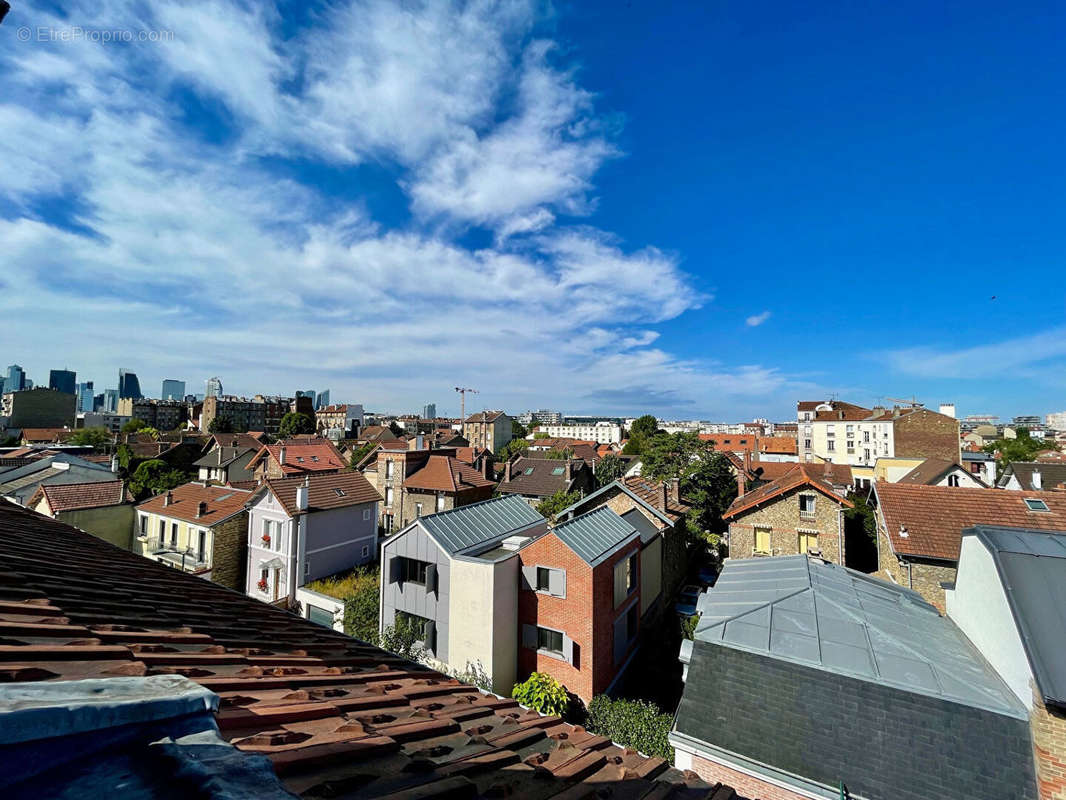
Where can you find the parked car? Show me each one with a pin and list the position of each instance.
(707, 575)
(686, 601)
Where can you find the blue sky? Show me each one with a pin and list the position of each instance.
(701, 210)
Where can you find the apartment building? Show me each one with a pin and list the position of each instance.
(163, 415)
(602, 432)
(38, 408)
(489, 430)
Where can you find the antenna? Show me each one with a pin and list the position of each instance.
(462, 402)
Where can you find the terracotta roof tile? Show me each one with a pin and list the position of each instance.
(222, 502)
(935, 516)
(651, 492)
(803, 475)
(74, 496)
(443, 473)
(333, 716)
(306, 454)
(335, 490)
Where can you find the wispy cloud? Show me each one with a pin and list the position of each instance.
(756, 320)
(995, 360)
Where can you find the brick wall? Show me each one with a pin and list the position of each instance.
(742, 783)
(675, 551)
(230, 552)
(927, 434)
(782, 516)
(1049, 748)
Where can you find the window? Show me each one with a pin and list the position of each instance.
(762, 539)
(558, 470)
(388, 497)
(550, 640)
(529, 471)
(315, 459)
(543, 579)
(307, 568)
(338, 492)
(849, 428)
(440, 502)
(866, 436)
(1036, 504)
(829, 431)
(366, 513)
(414, 571)
(414, 623)
(388, 469)
(418, 510)
(808, 540)
(631, 573)
(806, 444)
(173, 534)
(953, 480)
(162, 532)
(144, 525)
(831, 445)
(201, 547)
(366, 550)
(806, 502)
(866, 454)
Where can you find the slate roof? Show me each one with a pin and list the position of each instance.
(222, 503)
(333, 490)
(935, 516)
(542, 481)
(228, 456)
(802, 476)
(806, 611)
(334, 716)
(595, 536)
(1051, 475)
(1032, 568)
(75, 496)
(442, 473)
(467, 527)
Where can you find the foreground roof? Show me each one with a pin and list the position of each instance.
(933, 517)
(334, 717)
(325, 492)
(468, 527)
(1032, 566)
(75, 496)
(805, 611)
(595, 536)
(222, 502)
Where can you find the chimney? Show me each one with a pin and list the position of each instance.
(220, 456)
(302, 493)
(281, 455)
(675, 491)
(168, 498)
(747, 461)
(201, 509)
(1037, 480)
(486, 467)
(114, 463)
(568, 474)
(665, 493)
(507, 471)
(419, 442)
(827, 470)
(740, 483)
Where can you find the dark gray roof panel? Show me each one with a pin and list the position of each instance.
(596, 535)
(645, 527)
(469, 527)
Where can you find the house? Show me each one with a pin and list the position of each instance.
(298, 456)
(1033, 476)
(417, 482)
(919, 528)
(1009, 598)
(454, 577)
(580, 607)
(225, 464)
(253, 440)
(806, 678)
(839, 476)
(19, 483)
(103, 509)
(196, 528)
(45, 435)
(981, 465)
(799, 513)
(936, 472)
(656, 509)
(489, 430)
(163, 646)
(537, 479)
(308, 527)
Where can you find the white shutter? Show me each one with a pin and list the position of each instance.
(568, 649)
(529, 578)
(557, 582)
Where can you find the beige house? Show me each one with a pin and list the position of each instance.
(489, 430)
(797, 514)
(103, 509)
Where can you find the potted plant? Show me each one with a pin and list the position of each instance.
(266, 539)
(262, 585)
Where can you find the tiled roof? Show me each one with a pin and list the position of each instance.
(651, 492)
(460, 529)
(934, 516)
(484, 416)
(375, 432)
(838, 474)
(333, 490)
(74, 496)
(335, 717)
(222, 503)
(795, 479)
(557, 443)
(595, 536)
(843, 412)
(443, 473)
(542, 480)
(302, 455)
(46, 434)
(241, 440)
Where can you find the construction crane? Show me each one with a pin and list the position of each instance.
(462, 401)
(913, 401)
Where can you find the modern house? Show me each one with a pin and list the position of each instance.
(796, 514)
(196, 528)
(102, 509)
(454, 576)
(580, 607)
(299, 456)
(304, 528)
(536, 479)
(919, 528)
(1033, 476)
(809, 680)
(1009, 598)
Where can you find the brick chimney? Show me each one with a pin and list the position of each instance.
(740, 483)
(568, 474)
(665, 492)
(486, 467)
(747, 461)
(675, 491)
(507, 471)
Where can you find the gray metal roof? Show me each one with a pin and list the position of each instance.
(825, 616)
(467, 527)
(596, 535)
(1032, 566)
(645, 527)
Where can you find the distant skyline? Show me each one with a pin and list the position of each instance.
(695, 210)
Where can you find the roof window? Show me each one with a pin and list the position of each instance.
(339, 492)
(1036, 504)
(529, 471)
(558, 471)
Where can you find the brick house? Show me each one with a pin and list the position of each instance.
(196, 528)
(1008, 598)
(537, 479)
(297, 456)
(579, 605)
(796, 514)
(919, 528)
(656, 509)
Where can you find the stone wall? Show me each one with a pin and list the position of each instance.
(1049, 748)
(782, 516)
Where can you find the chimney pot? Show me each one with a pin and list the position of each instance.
(1038, 480)
(168, 498)
(201, 509)
(281, 455)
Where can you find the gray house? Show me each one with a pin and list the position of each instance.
(308, 527)
(804, 675)
(20, 483)
(454, 576)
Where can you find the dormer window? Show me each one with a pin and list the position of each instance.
(1036, 504)
(338, 492)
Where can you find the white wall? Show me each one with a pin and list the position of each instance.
(978, 605)
(306, 598)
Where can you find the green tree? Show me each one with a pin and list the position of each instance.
(646, 426)
(551, 506)
(295, 424)
(150, 432)
(97, 438)
(513, 447)
(541, 435)
(154, 476)
(542, 693)
(359, 454)
(560, 454)
(220, 425)
(1022, 448)
(133, 425)
(403, 639)
(610, 469)
(518, 430)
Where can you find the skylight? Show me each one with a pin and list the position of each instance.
(340, 492)
(558, 471)
(529, 471)
(1035, 504)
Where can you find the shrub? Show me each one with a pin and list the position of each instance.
(542, 693)
(473, 674)
(632, 723)
(358, 589)
(688, 626)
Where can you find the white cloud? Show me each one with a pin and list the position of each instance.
(981, 361)
(756, 320)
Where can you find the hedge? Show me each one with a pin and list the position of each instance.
(632, 723)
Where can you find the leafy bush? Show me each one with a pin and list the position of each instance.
(542, 693)
(358, 588)
(551, 506)
(403, 640)
(632, 723)
(688, 626)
